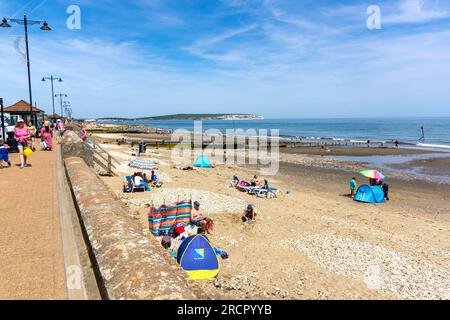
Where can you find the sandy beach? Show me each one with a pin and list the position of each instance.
(313, 241)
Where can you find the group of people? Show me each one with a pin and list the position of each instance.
(206, 225)
(255, 182)
(25, 135)
(140, 180)
(372, 182)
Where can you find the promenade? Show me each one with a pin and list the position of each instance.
(31, 246)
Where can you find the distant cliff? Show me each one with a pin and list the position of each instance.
(193, 116)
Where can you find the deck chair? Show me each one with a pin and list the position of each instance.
(129, 180)
(269, 193)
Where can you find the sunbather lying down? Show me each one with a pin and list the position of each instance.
(185, 168)
(200, 219)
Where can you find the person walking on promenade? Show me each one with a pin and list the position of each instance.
(84, 133)
(22, 136)
(33, 132)
(47, 136)
(59, 130)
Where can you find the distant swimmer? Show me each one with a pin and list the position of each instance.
(422, 138)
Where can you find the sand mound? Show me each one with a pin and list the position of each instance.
(380, 268)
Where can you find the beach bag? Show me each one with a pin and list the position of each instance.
(177, 230)
(43, 145)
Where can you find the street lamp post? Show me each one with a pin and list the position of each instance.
(61, 96)
(52, 78)
(68, 109)
(3, 120)
(26, 23)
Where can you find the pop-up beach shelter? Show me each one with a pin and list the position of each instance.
(203, 162)
(369, 194)
(198, 258)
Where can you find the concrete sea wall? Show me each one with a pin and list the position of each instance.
(127, 264)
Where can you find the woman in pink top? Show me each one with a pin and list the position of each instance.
(59, 130)
(47, 136)
(22, 135)
(83, 133)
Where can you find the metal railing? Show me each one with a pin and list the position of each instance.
(104, 159)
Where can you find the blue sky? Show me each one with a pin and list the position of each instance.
(278, 58)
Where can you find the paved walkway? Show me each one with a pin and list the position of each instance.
(31, 248)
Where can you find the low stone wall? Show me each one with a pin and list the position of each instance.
(128, 264)
(73, 146)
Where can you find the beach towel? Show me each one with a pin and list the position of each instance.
(162, 220)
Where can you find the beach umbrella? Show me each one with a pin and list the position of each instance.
(373, 174)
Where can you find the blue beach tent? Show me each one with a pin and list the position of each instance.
(369, 194)
(198, 258)
(203, 162)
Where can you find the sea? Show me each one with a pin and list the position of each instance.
(405, 130)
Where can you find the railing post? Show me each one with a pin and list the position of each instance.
(109, 164)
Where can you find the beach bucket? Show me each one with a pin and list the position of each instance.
(27, 152)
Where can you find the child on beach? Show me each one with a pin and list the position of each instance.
(4, 156)
(249, 214)
(352, 187)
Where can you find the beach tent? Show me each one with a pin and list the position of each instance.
(198, 258)
(203, 162)
(369, 194)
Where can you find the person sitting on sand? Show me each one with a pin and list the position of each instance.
(154, 178)
(352, 187)
(254, 182)
(249, 214)
(385, 188)
(140, 183)
(201, 220)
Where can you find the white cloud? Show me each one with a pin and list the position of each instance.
(204, 47)
(416, 11)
